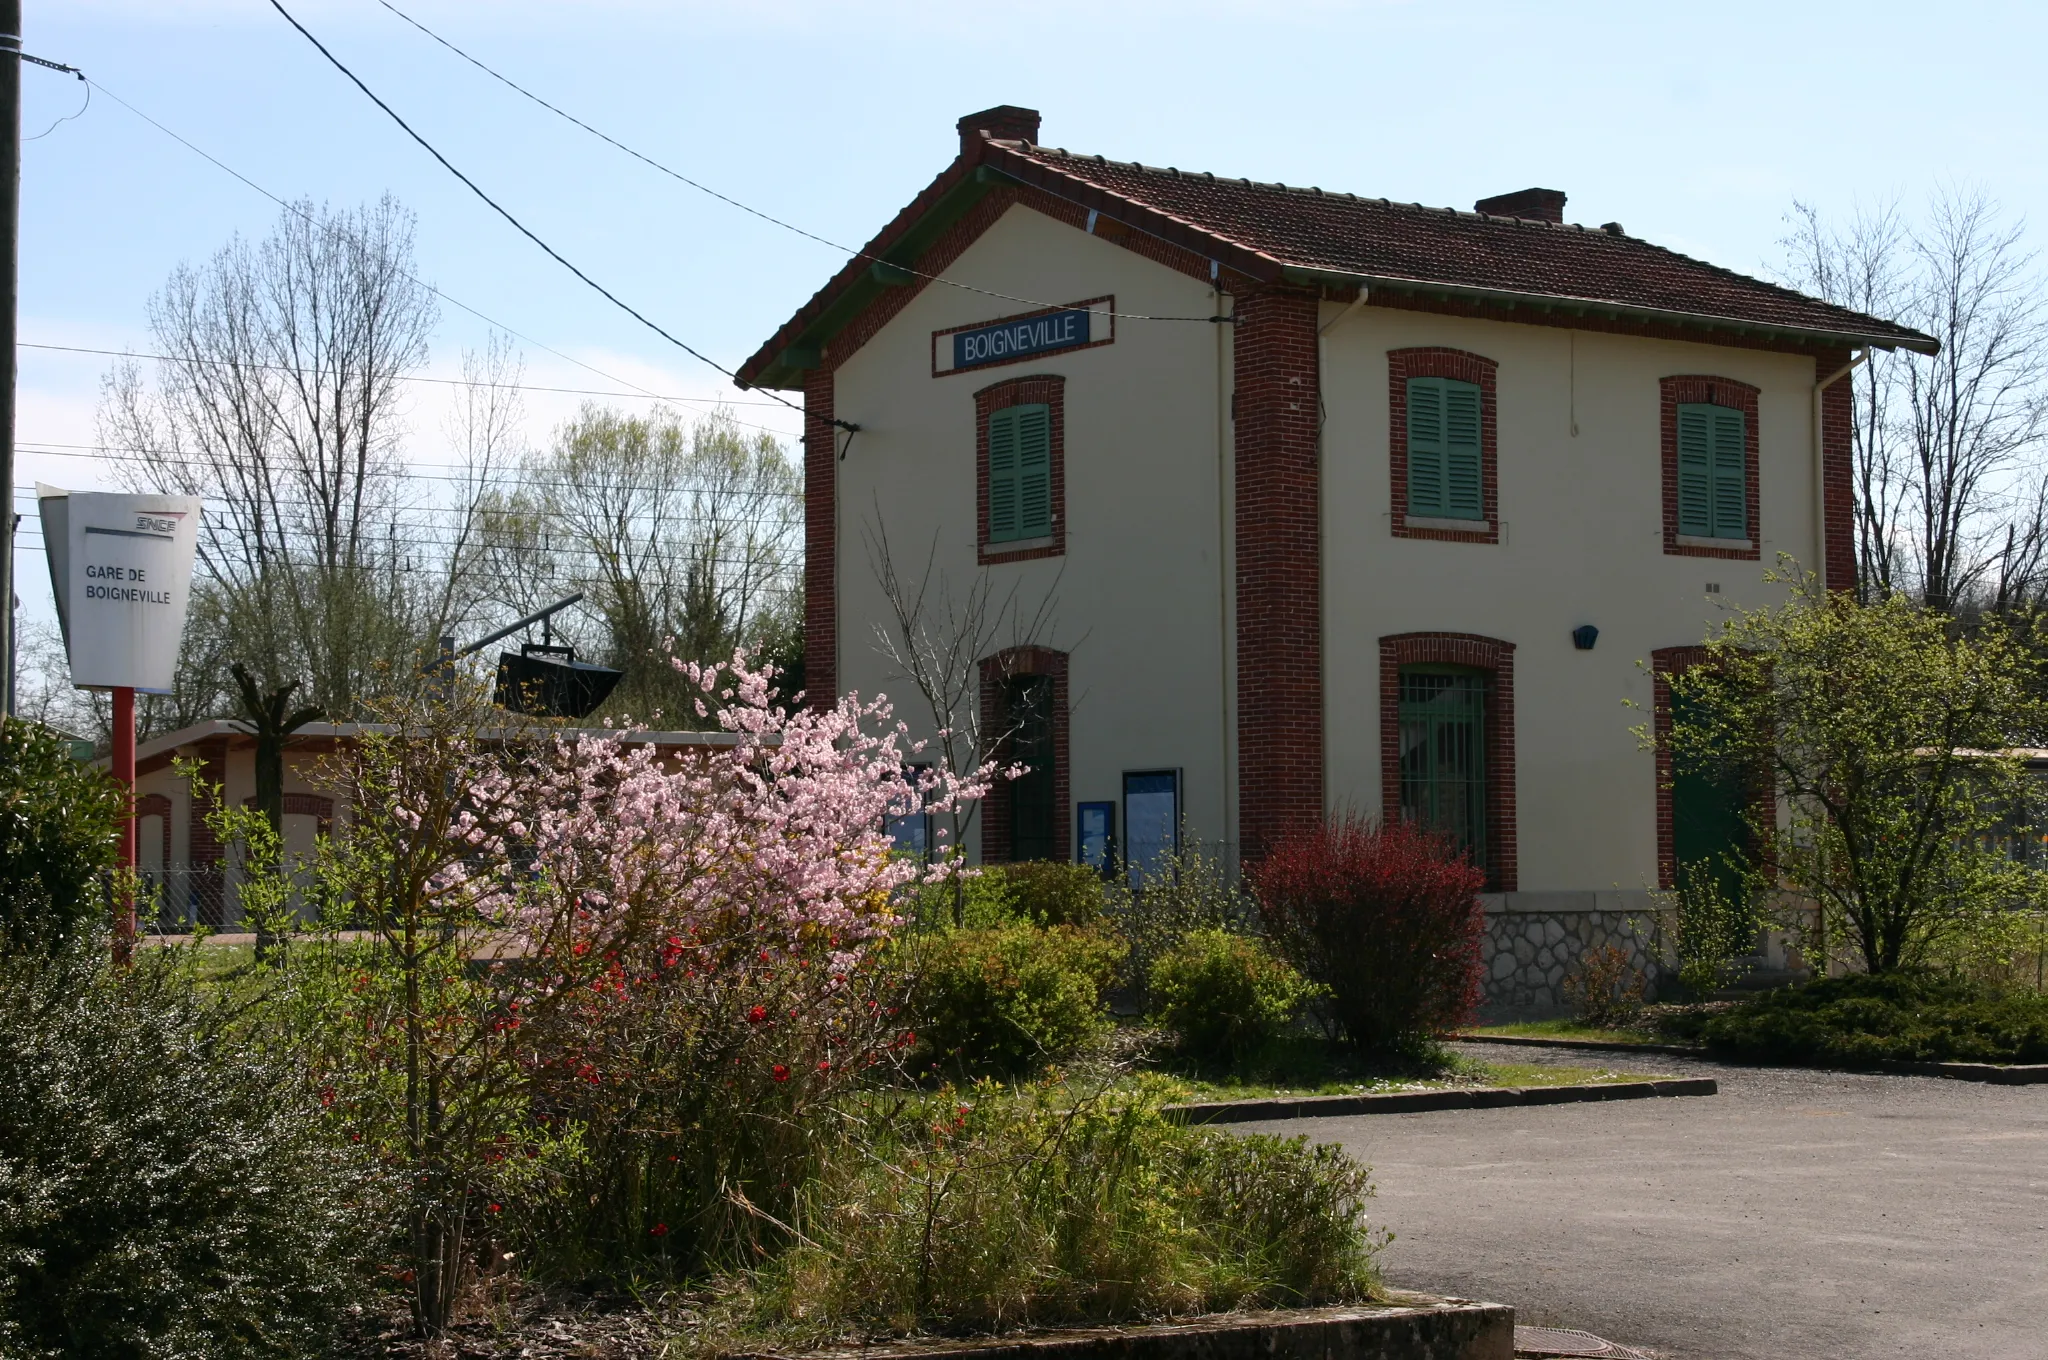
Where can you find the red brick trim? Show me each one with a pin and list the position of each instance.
(1279, 569)
(1497, 659)
(1049, 388)
(1837, 473)
(821, 542)
(1082, 305)
(1674, 392)
(954, 240)
(1006, 665)
(1433, 362)
(156, 805)
(201, 845)
(315, 805)
(1666, 662)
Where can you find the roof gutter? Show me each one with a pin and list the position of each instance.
(1550, 303)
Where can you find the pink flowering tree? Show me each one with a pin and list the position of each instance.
(602, 990)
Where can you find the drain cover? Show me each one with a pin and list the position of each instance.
(1562, 1341)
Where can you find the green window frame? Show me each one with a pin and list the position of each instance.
(1444, 459)
(1020, 472)
(1713, 471)
(1443, 753)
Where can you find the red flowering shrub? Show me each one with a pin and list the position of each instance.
(1386, 917)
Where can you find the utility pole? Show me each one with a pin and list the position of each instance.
(10, 251)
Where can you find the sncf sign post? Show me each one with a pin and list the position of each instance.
(121, 571)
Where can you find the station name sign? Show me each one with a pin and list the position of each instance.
(121, 571)
(1012, 339)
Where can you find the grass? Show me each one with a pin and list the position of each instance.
(1305, 1065)
(1564, 1029)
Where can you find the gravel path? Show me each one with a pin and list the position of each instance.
(1796, 1214)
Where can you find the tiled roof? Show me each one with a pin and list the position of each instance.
(1373, 237)
(1272, 231)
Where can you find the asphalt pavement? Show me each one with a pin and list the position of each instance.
(1796, 1214)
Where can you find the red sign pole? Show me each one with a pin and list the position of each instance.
(124, 771)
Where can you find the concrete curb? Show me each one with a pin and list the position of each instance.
(1415, 1102)
(1588, 1045)
(1998, 1074)
(1406, 1327)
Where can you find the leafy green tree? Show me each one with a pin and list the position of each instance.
(1885, 735)
(59, 832)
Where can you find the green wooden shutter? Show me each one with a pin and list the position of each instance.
(1034, 470)
(1696, 470)
(1004, 498)
(1731, 499)
(1713, 471)
(1461, 451)
(1443, 449)
(1426, 446)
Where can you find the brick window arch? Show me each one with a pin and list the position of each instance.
(998, 813)
(1494, 659)
(156, 805)
(1464, 366)
(1046, 388)
(315, 805)
(1690, 389)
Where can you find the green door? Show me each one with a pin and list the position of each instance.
(1709, 833)
(1443, 753)
(1034, 810)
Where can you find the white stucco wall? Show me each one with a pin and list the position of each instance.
(1144, 592)
(1582, 542)
(1143, 579)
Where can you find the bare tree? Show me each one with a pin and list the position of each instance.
(936, 637)
(278, 402)
(1951, 505)
(684, 539)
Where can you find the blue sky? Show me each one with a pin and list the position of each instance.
(1694, 127)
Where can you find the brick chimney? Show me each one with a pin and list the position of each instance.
(1540, 205)
(1004, 122)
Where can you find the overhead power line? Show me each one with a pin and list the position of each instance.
(410, 377)
(300, 211)
(679, 176)
(519, 226)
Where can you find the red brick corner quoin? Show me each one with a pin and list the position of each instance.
(1403, 364)
(1497, 660)
(1049, 388)
(1279, 570)
(821, 543)
(1683, 390)
(995, 807)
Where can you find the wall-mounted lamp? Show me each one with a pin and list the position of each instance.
(1584, 636)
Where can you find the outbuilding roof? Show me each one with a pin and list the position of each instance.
(1279, 232)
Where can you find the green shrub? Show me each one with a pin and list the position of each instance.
(1224, 996)
(1904, 1016)
(164, 1190)
(1001, 1001)
(1188, 890)
(59, 832)
(989, 1211)
(1047, 893)
(1034, 892)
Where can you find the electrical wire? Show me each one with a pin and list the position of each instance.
(645, 159)
(300, 211)
(408, 377)
(70, 70)
(517, 225)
